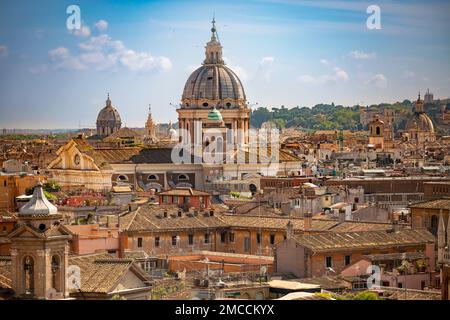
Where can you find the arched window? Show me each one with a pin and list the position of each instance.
(182, 177)
(152, 177)
(56, 273)
(434, 225)
(219, 145)
(378, 130)
(28, 270)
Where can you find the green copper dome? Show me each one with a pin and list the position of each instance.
(214, 115)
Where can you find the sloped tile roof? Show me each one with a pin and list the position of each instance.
(100, 273)
(433, 204)
(358, 226)
(146, 218)
(271, 222)
(331, 241)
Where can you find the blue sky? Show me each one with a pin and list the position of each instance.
(286, 52)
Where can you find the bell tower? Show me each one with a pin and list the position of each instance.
(39, 250)
(376, 133)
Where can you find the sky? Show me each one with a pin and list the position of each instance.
(286, 52)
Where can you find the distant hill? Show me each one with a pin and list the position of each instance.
(330, 116)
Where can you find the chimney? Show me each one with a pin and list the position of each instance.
(395, 226)
(307, 221)
(341, 215)
(289, 230)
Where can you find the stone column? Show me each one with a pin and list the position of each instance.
(242, 127)
(16, 272)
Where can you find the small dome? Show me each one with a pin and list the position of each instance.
(109, 114)
(39, 204)
(421, 122)
(214, 115)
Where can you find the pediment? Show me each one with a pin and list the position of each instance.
(25, 232)
(69, 157)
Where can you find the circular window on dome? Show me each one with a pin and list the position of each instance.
(42, 227)
(205, 104)
(228, 104)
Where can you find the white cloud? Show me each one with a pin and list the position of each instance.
(334, 76)
(240, 72)
(101, 53)
(62, 59)
(101, 25)
(324, 62)
(83, 32)
(361, 55)
(265, 67)
(378, 80)
(3, 51)
(267, 61)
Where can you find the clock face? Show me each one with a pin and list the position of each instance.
(77, 160)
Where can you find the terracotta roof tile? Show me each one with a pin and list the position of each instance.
(330, 241)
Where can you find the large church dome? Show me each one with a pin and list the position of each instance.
(213, 84)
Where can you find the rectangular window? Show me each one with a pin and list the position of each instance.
(223, 236)
(174, 241)
(206, 237)
(165, 199)
(191, 239)
(156, 242)
(175, 199)
(272, 239)
(347, 260)
(231, 236)
(139, 244)
(423, 285)
(246, 244)
(329, 262)
(400, 285)
(258, 238)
